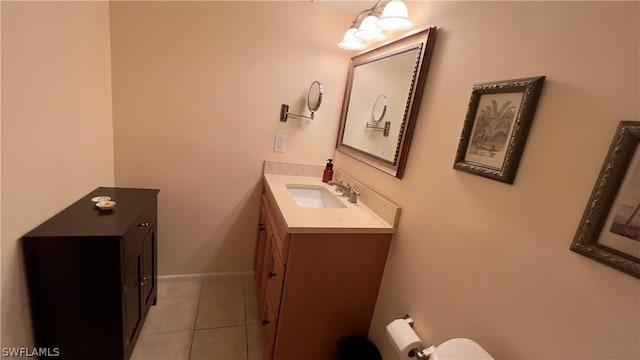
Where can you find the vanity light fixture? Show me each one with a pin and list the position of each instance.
(368, 30)
(350, 42)
(394, 17)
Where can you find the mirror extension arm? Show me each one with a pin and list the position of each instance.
(284, 113)
(385, 129)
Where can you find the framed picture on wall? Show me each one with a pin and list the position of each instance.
(609, 231)
(496, 127)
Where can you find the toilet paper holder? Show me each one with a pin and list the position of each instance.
(421, 354)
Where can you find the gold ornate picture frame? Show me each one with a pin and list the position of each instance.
(609, 231)
(496, 127)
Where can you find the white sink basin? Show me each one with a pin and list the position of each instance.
(314, 197)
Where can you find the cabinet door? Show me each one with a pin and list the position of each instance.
(148, 280)
(272, 292)
(132, 297)
(275, 280)
(269, 323)
(261, 246)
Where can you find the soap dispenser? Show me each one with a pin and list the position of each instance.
(328, 171)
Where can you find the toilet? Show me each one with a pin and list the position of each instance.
(409, 345)
(460, 349)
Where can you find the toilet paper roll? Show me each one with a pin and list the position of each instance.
(404, 338)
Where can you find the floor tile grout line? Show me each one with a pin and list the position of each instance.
(200, 300)
(220, 327)
(195, 320)
(167, 332)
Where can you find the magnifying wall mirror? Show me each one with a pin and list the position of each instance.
(379, 108)
(314, 99)
(397, 70)
(378, 112)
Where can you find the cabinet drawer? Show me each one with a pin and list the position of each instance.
(132, 239)
(275, 240)
(143, 223)
(278, 225)
(148, 212)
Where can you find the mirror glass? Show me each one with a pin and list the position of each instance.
(385, 82)
(314, 98)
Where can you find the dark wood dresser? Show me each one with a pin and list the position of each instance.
(92, 275)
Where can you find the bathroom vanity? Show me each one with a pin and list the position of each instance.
(318, 269)
(92, 275)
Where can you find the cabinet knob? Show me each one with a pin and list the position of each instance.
(144, 224)
(265, 322)
(271, 274)
(261, 227)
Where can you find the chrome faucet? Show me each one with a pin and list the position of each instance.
(344, 190)
(353, 196)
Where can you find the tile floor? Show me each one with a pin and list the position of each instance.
(210, 317)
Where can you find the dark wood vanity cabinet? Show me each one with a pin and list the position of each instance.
(92, 275)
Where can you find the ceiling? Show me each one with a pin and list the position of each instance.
(349, 7)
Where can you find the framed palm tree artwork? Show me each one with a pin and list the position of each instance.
(609, 231)
(495, 129)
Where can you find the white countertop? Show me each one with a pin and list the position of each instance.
(354, 218)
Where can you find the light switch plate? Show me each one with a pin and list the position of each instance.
(280, 143)
(382, 152)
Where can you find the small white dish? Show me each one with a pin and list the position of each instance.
(106, 204)
(100, 198)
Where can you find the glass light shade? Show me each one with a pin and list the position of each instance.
(395, 17)
(368, 30)
(350, 42)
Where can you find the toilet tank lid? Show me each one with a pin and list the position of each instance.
(460, 348)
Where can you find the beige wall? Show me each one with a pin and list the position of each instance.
(57, 137)
(197, 94)
(194, 114)
(482, 259)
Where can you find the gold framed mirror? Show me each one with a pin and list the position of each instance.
(398, 70)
